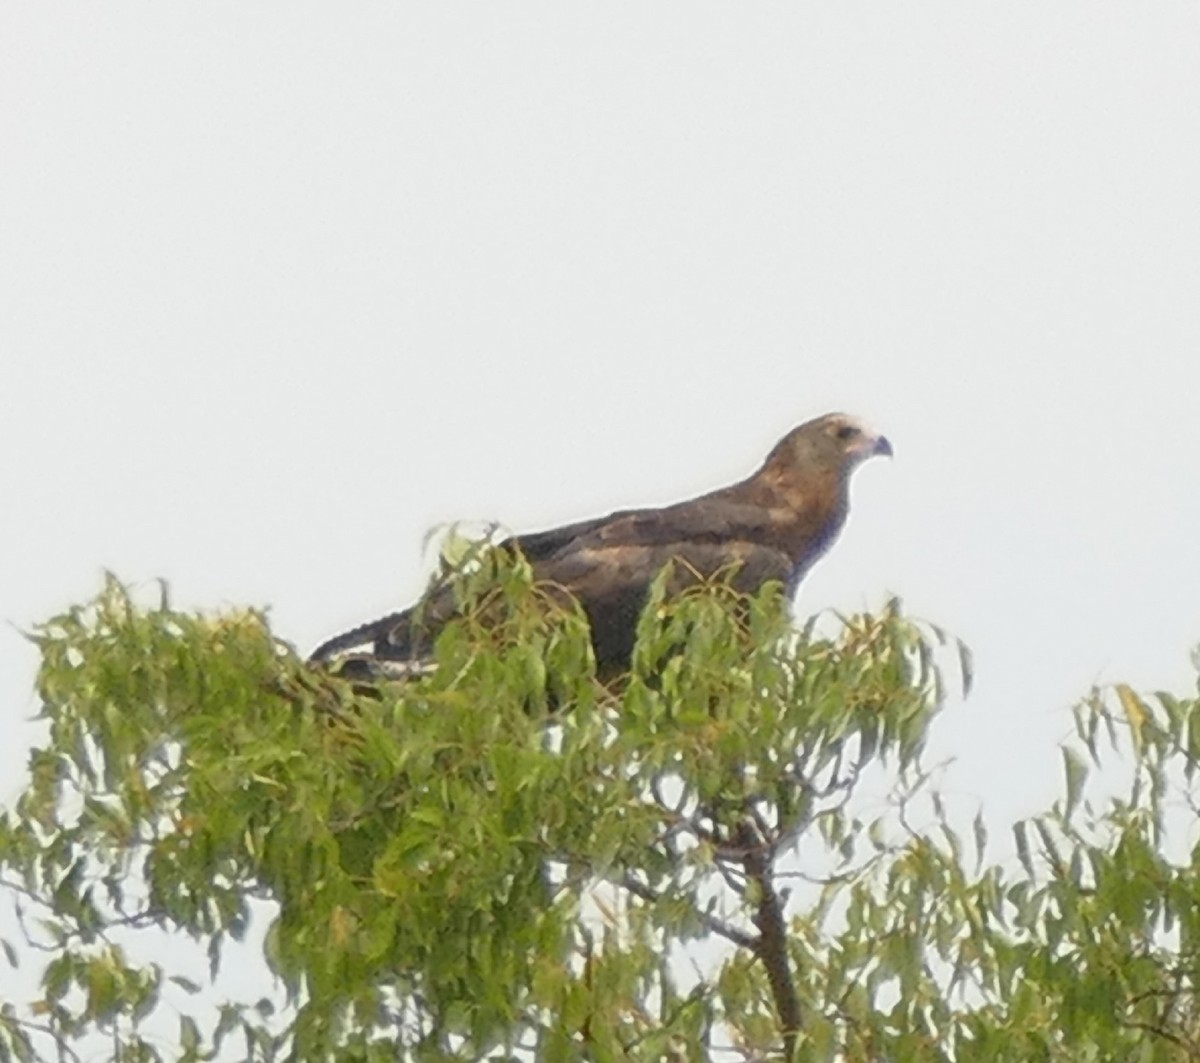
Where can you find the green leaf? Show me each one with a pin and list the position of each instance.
(981, 838)
(1023, 853)
(1076, 774)
(189, 1034)
(1136, 712)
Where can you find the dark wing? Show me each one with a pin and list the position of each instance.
(610, 568)
(711, 519)
(608, 564)
(537, 546)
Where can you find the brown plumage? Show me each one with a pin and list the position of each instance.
(771, 526)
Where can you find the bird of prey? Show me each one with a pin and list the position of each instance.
(773, 525)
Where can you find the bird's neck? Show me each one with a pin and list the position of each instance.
(782, 486)
(808, 512)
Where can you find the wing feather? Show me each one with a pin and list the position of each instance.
(612, 582)
(703, 520)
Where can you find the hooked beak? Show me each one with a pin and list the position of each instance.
(883, 447)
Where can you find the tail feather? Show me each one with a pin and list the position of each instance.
(397, 643)
(375, 632)
(368, 668)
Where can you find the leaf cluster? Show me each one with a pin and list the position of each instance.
(505, 858)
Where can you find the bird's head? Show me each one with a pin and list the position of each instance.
(836, 443)
(848, 438)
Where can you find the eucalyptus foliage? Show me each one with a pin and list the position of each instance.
(504, 859)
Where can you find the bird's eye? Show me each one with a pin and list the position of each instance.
(848, 431)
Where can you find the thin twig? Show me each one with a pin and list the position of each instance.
(716, 925)
(62, 1046)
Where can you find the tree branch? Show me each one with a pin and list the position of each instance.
(771, 947)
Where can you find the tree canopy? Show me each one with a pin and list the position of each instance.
(733, 853)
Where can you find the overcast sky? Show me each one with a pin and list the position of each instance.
(283, 286)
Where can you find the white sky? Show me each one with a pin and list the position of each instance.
(282, 286)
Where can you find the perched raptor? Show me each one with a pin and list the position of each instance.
(771, 526)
